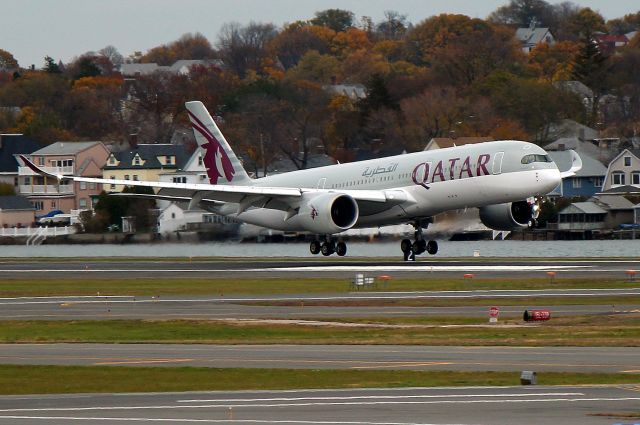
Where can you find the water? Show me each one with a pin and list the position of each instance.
(465, 249)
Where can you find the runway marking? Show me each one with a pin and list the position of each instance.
(403, 364)
(246, 400)
(327, 403)
(123, 362)
(218, 421)
(630, 371)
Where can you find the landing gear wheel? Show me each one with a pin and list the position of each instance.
(419, 246)
(341, 249)
(405, 245)
(432, 247)
(327, 249)
(314, 247)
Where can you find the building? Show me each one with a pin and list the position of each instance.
(10, 146)
(623, 170)
(449, 142)
(601, 212)
(16, 211)
(531, 36)
(352, 91)
(145, 162)
(77, 158)
(183, 67)
(587, 181)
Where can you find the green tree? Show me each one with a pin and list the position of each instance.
(336, 19)
(51, 66)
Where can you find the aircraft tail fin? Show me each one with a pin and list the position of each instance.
(222, 164)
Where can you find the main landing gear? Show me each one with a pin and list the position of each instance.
(328, 247)
(419, 246)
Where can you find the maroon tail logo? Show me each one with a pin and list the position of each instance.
(215, 160)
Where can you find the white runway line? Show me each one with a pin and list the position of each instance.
(217, 421)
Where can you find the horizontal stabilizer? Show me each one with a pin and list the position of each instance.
(576, 165)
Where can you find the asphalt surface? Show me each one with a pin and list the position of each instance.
(239, 307)
(329, 267)
(364, 357)
(540, 405)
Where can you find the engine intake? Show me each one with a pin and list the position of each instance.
(328, 213)
(509, 216)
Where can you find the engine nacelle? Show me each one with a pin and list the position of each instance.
(509, 216)
(328, 213)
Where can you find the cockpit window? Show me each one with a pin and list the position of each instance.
(529, 159)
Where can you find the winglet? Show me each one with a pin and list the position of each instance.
(39, 170)
(576, 165)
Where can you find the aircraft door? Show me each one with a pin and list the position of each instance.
(497, 163)
(322, 182)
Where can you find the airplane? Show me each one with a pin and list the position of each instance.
(500, 178)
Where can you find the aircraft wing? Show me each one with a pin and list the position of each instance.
(576, 165)
(247, 195)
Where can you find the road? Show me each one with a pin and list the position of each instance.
(364, 357)
(540, 405)
(218, 307)
(330, 267)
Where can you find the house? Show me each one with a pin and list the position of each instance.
(569, 128)
(183, 67)
(145, 162)
(601, 212)
(449, 142)
(602, 150)
(531, 36)
(78, 158)
(582, 216)
(587, 181)
(352, 91)
(10, 146)
(623, 170)
(178, 218)
(16, 211)
(609, 43)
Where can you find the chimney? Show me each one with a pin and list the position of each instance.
(133, 140)
(581, 135)
(562, 147)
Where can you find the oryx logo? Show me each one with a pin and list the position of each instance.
(215, 160)
(314, 212)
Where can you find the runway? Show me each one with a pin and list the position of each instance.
(218, 307)
(329, 267)
(361, 357)
(541, 405)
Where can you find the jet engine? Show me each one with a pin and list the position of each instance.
(509, 216)
(328, 213)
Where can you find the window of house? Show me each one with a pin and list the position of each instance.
(136, 160)
(41, 160)
(635, 178)
(169, 160)
(576, 183)
(126, 176)
(173, 215)
(83, 185)
(83, 203)
(627, 161)
(92, 185)
(135, 177)
(200, 160)
(38, 205)
(618, 178)
(597, 181)
(53, 204)
(113, 186)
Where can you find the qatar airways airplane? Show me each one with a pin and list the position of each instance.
(501, 178)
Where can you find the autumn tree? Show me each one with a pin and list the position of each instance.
(317, 67)
(624, 25)
(553, 62)
(461, 49)
(393, 27)
(7, 61)
(522, 12)
(296, 39)
(189, 46)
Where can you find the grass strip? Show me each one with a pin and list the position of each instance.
(612, 333)
(19, 379)
(275, 286)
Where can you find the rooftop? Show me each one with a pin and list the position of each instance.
(65, 148)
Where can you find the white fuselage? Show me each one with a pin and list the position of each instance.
(421, 184)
